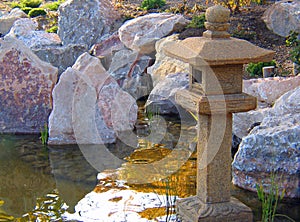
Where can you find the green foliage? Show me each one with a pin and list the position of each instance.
(243, 33)
(293, 42)
(53, 29)
(15, 5)
(44, 134)
(152, 4)
(255, 69)
(270, 199)
(31, 3)
(26, 9)
(171, 196)
(52, 6)
(197, 21)
(36, 12)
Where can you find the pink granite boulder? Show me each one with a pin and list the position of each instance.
(25, 88)
(89, 107)
(140, 34)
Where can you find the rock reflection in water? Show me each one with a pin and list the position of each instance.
(20, 182)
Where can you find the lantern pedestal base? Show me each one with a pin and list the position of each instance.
(192, 209)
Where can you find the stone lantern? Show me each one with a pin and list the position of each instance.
(215, 92)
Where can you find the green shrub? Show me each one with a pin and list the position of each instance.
(26, 9)
(197, 21)
(36, 12)
(255, 69)
(152, 4)
(31, 3)
(52, 6)
(53, 29)
(15, 5)
(293, 42)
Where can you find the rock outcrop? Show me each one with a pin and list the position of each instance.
(7, 20)
(25, 88)
(273, 146)
(89, 107)
(85, 22)
(140, 34)
(283, 17)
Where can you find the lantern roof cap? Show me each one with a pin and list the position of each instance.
(216, 47)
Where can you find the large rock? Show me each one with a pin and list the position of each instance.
(128, 68)
(288, 103)
(162, 97)
(85, 21)
(106, 49)
(25, 88)
(47, 46)
(268, 90)
(283, 16)
(165, 65)
(61, 57)
(272, 147)
(7, 20)
(88, 105)
(25, 30)
(243, 122)
(141, 33)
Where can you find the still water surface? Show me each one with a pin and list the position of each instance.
(30, 171)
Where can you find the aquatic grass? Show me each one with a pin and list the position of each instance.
(44, 134)
(170, 196)
(270, 200)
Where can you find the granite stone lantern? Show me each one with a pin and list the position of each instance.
(215, 92)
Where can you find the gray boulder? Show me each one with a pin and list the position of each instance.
(162, 97)
(136, 81)
(25, 30)
(85, 21)
(7, 20)
(273, 146)
(283, 16)
(61, 57)
(25, 88)
(47, 46)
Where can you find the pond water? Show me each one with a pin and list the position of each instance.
(39, 181)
